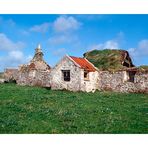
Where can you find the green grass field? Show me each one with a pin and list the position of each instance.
(39, 110)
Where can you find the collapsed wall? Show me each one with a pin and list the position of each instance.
(33, 77)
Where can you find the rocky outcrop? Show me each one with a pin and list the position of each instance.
(109, 59)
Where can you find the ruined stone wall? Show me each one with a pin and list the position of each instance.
(118, 82)
(10, 75)
(109, 80)
(141, 80)
(34, 78)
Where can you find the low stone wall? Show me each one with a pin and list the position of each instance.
(118, 82)
(110, 81)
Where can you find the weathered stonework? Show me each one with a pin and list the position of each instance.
(119, 82)
(109, 81)
(10, 74)
(34, 78)
(77, 82)
(35, 73)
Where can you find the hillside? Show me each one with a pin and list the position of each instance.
(109, 59)
(26, 109)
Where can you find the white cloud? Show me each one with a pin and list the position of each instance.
(13, 59)
(140, 50)
(16, 54)
(132, 51)
(133, 54)
(114, 43)
(13, 55)
(65, 23)
(63, 27)
(42, 28)
(7, 44)
(110, 44)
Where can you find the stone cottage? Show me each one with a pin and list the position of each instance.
(36, 72)
(74, 74)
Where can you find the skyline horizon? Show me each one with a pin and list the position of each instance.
(63, 57)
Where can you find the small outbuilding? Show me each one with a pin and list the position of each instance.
(74, 74)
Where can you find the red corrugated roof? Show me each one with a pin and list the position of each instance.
(84, 64)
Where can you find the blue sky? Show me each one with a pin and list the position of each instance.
(72, 35)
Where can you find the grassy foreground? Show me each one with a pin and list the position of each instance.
(38, 110)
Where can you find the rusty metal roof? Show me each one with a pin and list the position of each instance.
(84, 64)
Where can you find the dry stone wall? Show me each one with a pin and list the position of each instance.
(110, 81)
(118, 82)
